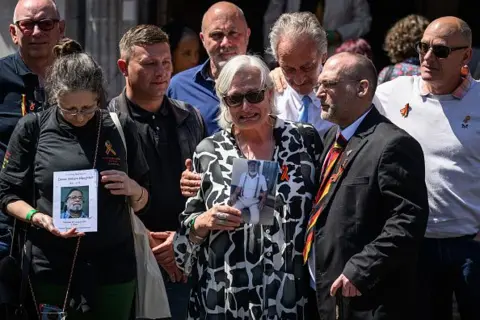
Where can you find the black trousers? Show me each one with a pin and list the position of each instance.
(311, 308)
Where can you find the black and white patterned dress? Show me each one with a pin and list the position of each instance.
(255, 271)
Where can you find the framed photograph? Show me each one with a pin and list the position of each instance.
(253, 190)
(75, 200)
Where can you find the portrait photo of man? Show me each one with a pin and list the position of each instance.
(74, 205)
(252, 182)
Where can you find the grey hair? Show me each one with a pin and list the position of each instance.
(465, 31)
(295, 25)
(225, 79)
(72, 73)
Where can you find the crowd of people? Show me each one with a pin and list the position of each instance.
(376, 204)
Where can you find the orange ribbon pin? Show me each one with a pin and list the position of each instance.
(284, 176)
(109, 148)
(405, 110)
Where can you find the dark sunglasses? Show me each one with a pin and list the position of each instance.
(29, 25)
(236, 100)
(440, 51)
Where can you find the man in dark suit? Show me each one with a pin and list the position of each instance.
(371, 210)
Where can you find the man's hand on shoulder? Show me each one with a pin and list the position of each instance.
(189, 182)
(278, 78)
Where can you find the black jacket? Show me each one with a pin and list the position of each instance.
(190, 124)
(373, 222)
(16, 79)
(168, 137)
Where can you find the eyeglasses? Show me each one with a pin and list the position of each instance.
(236, 100)
(76, 198)
(440, 51)
(28, 25)
(329, 84)
(86, 111)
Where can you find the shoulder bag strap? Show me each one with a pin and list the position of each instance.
(116, 121)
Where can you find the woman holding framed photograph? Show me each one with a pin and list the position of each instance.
(87, 275)
(244, 270)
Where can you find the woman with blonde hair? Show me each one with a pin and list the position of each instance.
(244, 270)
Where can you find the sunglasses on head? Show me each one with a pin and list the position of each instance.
(44, 24)
(440, 51)
(236, 100)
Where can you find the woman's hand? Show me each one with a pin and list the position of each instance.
(46, 222)
(119, 183)
(220, 217)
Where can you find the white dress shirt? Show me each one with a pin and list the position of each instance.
(289, 104)
(347, 133)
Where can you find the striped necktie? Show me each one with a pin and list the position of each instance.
(303, 116)
(332, 157)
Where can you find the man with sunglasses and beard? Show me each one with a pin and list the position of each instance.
(440, 109)
(36, 29)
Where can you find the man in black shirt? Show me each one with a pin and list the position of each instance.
(169, 131)
(36, 30)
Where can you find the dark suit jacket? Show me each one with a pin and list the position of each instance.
(373, 222)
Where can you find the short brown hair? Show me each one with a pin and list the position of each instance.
(141, 35)
(402, 37)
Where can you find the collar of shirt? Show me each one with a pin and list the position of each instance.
(22, 68)
(349, 131)
(202, 73)
(315, 101)
(140, 113)
(458, 93)
(66, 215)
(250, 176)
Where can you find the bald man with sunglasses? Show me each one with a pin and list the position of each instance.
(440, 108)
(36, 28)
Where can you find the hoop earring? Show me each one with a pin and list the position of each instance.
(464, 71)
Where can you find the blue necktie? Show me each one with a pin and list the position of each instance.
(303, 116)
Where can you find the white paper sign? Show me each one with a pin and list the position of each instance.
(75, 200)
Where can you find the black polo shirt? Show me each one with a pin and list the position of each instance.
(109, 253)
(158, 134)
(16, 80)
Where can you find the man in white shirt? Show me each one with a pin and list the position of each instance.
(299, 44)
(251, 192)
(440, 108)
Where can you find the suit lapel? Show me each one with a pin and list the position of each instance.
(355, 144)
